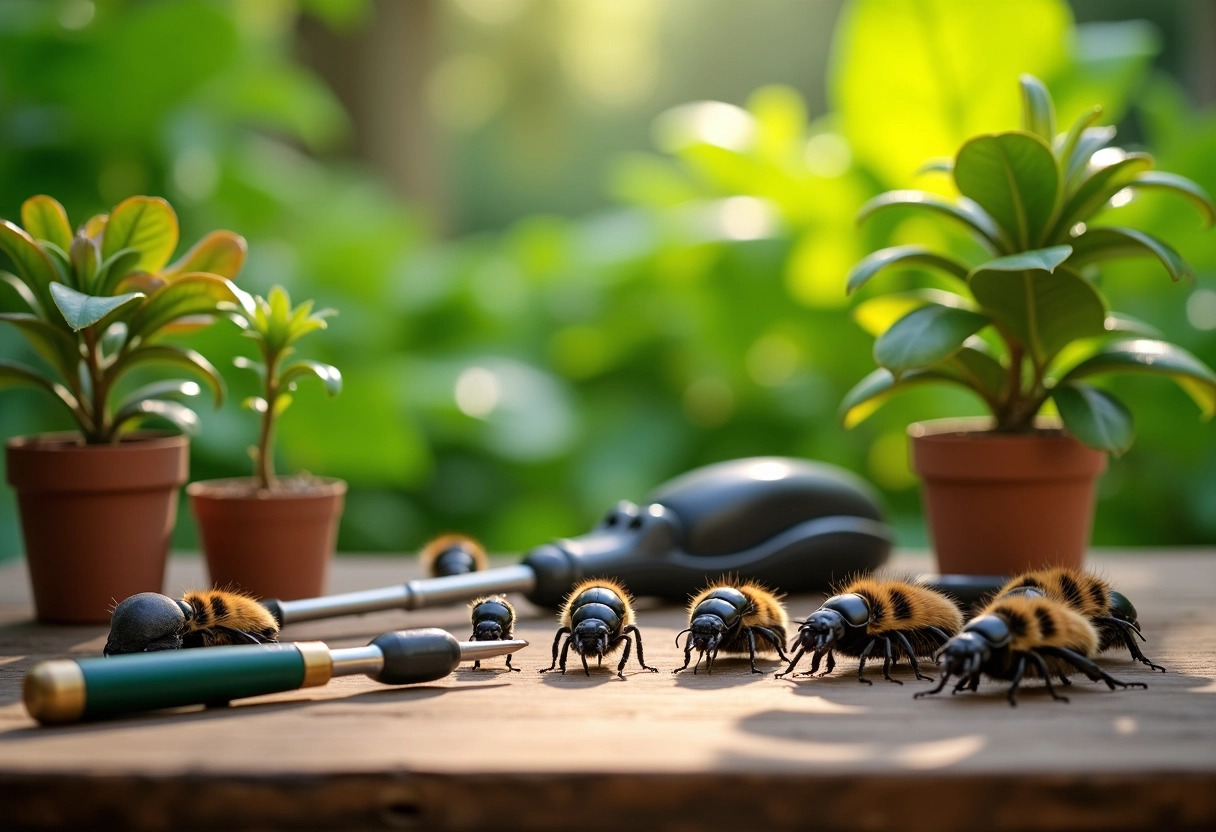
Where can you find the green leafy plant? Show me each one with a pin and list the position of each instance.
(1029, 325)
(101, 299)
(274, 325)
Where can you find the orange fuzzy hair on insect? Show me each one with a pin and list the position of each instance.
(434, 548)
(1043, 622)
(905, 605)
(764, 610)
(215, 609)
(1081, 591)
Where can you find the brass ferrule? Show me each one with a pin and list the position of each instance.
(318, 663)
(54, 691)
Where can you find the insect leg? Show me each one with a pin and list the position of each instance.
(797, 658)
(886, 663)
(941, 683)
(907, 645)
(751, 647)
(516, 669)
(861, 666)
(1046, 674)
(477, 664)
(1089, 668)
(1125, 630)
(830, 667)
(1018, 671)
(771, 637)
(641, 660)
(556, 640)
(687, 658)
(624, 655)
(937, 632)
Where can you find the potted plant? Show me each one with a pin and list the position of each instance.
(97, 505)
(267, 535)
(1026, 329)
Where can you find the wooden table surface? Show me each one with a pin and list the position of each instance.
(492, 750)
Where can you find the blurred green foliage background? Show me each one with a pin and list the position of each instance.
(580, 247)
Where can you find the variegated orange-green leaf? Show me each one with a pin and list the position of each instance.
(45, 219)
(146, 223)
(220, 252)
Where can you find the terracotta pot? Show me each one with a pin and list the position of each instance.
(96, 519)
(273, 544)
(998, 504)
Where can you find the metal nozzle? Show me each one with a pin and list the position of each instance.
(478, 650)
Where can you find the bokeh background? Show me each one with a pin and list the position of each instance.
(580, 246)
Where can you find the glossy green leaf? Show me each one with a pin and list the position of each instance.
(328, 374)
(1181, 186)
(1094, 417)
(926, 336)
(115, 269)
(180, 357)
(145, 223)
(1038, 110)
(876, 315)
(220, 252)
(84, 257)
(1065, 146)
(53, 343)
(1149, 356)
(1105, 243)
(133, 404)
(45, 219)
(979, 369)
(1095, 189)
(874, 390)
(191, 294)
(901, 256)
(1014, 178)
(1091, 140)
(22, 289)
(1044, 311)
(1120, 322)
(1045, 259)
(18, 375)
(175, 413)
(34, 266)
(80, 310)
(990, 235)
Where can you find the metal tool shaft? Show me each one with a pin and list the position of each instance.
(413, 595)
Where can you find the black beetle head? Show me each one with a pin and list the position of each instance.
(146, 622)
(705, 632)
(964, 655)
(827, 626)
(490, 630)
(591, 637)
(1122, 609)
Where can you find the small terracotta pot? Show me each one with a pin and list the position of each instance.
(272, 544)
(96, 519)
(999, 504)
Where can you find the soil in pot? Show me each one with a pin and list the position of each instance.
(96, 519)
(271, 543)
(998, 504)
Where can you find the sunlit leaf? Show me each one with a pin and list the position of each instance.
(1065, 146)
(220, 252)
(1038, 110)
(189, 295)
(1091, 140)
(902, 256)
(80, 310)
(925, 336)
(179, 357)
(1094, 417)
(1181, 186)
(34, 267)
(876, 315)
(1148, 356)
(45, 219)
(874, 390)
(18, 375)
(51, 342)
(1095, 189)
(329, 375)
(112, 273)
(176, 413)
(1104, 243)
(145, 223)
(1045, 311)
(964, 211)
(134, 403)
(1014, 178)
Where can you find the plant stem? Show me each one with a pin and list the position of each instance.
(101, 428)
(264, 471)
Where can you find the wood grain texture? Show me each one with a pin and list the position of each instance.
(732, 750)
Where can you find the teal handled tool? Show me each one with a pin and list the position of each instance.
(73, 690)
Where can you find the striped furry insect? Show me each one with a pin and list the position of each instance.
(1022, 634)
(597, 618)
(452, 554)
(1111, 613)
(728, 616)
(900, 617)
(150, 621)
(493, 620)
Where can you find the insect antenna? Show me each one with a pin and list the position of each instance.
(682, 632)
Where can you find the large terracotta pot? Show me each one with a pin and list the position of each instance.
(272, 544)
(96, 519)
(998, 504)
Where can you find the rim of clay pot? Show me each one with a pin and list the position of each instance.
(225, 489)
(64, 462)
(70, 440)
(968, 449)
(971, 425)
